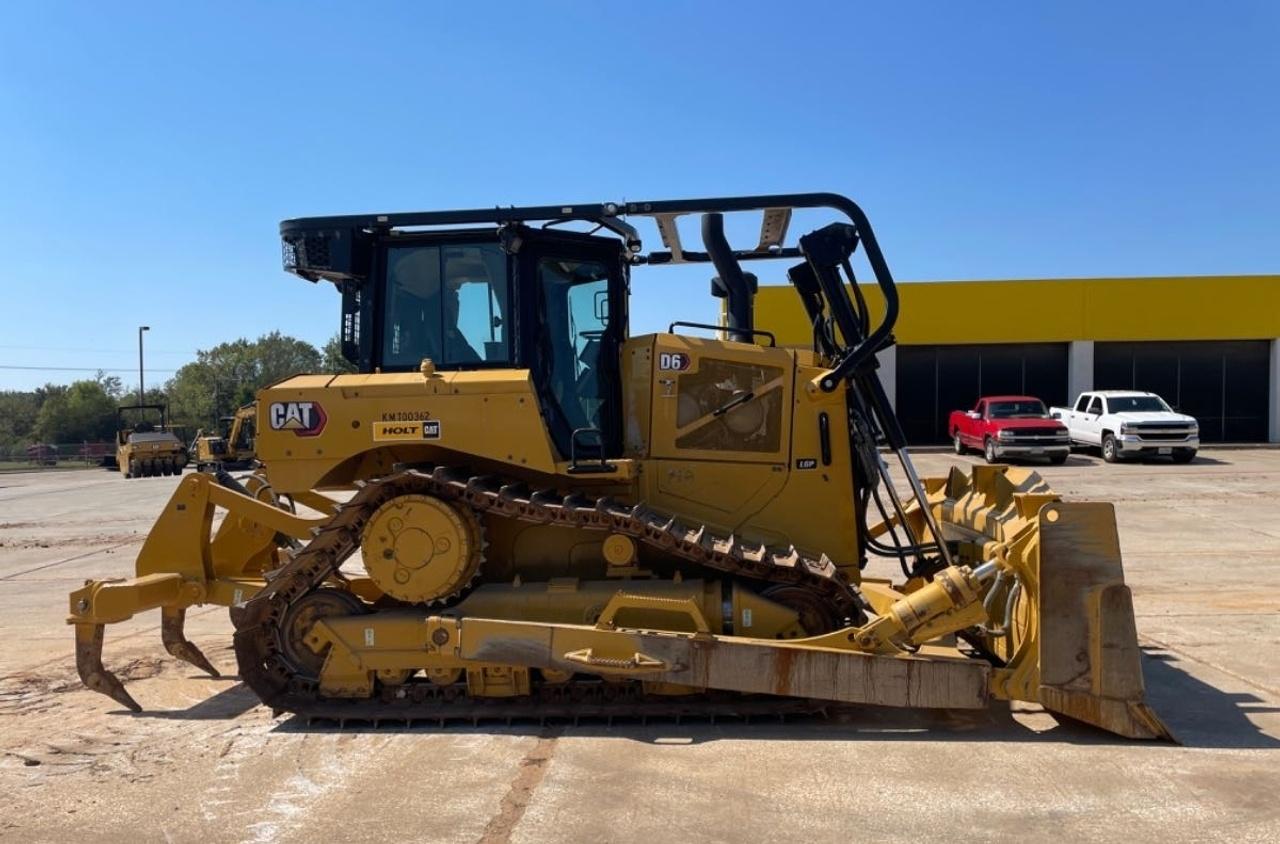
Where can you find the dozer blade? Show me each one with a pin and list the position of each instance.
(1090, 664)
(1067, 635)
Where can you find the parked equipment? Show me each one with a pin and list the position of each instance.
(232, 448)
(557, 519)
(145, 448)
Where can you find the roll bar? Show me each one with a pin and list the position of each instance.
(336, 249)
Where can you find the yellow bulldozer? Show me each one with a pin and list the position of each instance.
(232, 447)
(517, 509)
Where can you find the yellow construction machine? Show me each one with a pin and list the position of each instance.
(232, 447)
(518, 509)
(145, 448)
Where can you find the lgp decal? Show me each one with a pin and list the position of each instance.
(304, 418)
(673, 361)
(427, 429)
(807, 463)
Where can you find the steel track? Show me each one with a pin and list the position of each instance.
(280, 685)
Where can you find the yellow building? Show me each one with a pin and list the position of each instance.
(1208, 344)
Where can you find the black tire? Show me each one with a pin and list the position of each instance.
(989, 450)
(1184, 455)
(956, 444)
(1059, 459)
(1110, 451)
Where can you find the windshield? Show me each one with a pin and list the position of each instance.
(1029, 409)
(1136, 404)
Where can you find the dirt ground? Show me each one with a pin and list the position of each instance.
(1202, 552)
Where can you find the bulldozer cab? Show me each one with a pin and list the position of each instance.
(551, 302)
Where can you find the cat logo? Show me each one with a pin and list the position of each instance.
(304, 418)
(673, 361)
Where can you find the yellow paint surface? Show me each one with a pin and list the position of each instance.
(1058, 310)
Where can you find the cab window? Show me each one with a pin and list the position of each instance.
(575, 313)
(1095, 406)
(447, 303)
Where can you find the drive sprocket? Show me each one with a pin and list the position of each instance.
(422, 550)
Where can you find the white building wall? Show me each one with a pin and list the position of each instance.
(1079, 368)
(1273, 426)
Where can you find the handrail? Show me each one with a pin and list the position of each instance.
(671, 329)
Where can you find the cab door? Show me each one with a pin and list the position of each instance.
(1089, 423)
(573, 293)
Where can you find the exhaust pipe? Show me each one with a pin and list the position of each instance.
(732, 283)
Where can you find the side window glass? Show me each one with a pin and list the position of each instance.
(447, 303)
(475, 305)
(575, 314)
(1082, 403)
(411, 329)
(1095, 406)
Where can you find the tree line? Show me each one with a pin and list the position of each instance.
(218, 381)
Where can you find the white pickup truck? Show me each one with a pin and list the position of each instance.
(1127, 423)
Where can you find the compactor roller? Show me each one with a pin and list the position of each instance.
(518, 509)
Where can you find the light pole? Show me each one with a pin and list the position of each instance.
(142, 393)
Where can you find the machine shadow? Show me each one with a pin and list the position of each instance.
(1200, 714)
(231, 702)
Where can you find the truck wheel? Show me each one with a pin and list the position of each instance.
(1184, 455)
(1110, 452)
(956, 444)
(989, 451)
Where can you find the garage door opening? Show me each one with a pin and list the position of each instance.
(1225, 384)
(932, 381)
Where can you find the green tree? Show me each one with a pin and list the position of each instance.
(18, 412)
(230, 374)
(333, 361)
(83, 411)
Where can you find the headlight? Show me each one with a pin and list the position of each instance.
(1126, 428)
(1005, 435)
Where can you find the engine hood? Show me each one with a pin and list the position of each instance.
(1156, 416)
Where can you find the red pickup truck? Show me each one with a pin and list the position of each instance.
(1009, 426)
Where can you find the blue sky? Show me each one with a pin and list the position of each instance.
(147, 154)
